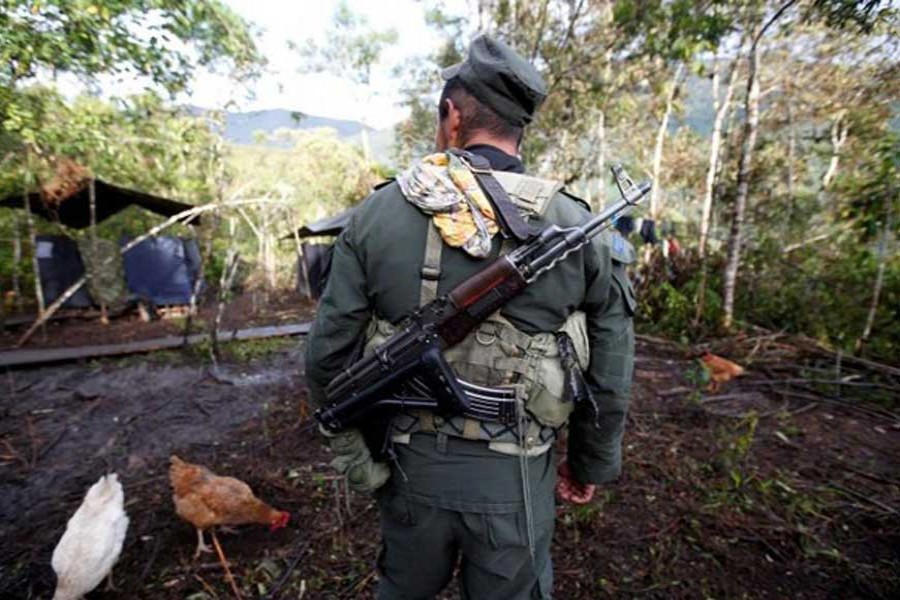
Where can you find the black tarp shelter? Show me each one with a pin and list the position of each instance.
(61, 266)
(163, 270)
(329, 226)
(314, 262)
(75, 209)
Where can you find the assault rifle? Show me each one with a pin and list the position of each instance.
(409, 370)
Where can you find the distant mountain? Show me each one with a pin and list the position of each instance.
(243, 127)
(240, 128)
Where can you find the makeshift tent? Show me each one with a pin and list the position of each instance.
(61, 266)
(329, 226)
(163, 270)
(74, 209)
(314, 262)
(316, 259)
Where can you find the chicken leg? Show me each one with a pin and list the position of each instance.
(201, 545)
(110, 586)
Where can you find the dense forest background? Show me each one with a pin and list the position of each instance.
(770, 128)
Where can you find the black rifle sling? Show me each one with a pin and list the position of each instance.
(510, 219)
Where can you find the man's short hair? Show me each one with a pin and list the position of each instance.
(475, 116)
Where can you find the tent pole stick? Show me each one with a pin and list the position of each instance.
(17, 263)
(229, 269)
(182, 216)
(35, 262)
(92, 196)
(301, 263)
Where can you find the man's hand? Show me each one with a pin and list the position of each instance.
(569, 489)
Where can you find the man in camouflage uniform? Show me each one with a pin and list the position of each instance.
(458, 491)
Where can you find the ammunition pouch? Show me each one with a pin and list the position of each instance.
(496, 354)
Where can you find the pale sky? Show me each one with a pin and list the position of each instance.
(281, 86)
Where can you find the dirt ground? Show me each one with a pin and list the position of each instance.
(797, 497)
(80, 328)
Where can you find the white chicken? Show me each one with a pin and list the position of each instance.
(93, 540)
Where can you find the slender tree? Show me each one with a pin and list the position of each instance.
(751, 130)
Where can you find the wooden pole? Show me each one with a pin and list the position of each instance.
(302, 272)
(17, 263)
(229, 269)
(35, 262)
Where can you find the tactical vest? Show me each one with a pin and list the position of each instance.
(497, 354)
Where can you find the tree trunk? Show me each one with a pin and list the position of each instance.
(883, 253)
(792, 151)
(35, 261)
(92, 200)
(226, 279)
(17, 264)
(720, 110)
(655, 207)
(601, 161)
(839, 133)
(751, 128)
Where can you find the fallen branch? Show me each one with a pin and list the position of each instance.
(298, 556)
(864, 498)
(841, 382)
(276, 590)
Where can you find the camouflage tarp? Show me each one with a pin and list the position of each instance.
(103, 263)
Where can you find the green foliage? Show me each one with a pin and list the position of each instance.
(873, 189)
(161, 39)
(316, 173)
(667, 297)
(350, 49)
(136, 142)
(247, 350)
(826, 297)
(677, 30)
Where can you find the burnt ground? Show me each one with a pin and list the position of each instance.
(761, 490)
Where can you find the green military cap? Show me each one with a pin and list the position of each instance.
(502, 79)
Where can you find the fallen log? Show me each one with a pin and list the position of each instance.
(21, 358)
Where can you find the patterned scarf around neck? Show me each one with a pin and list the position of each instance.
(444, 187)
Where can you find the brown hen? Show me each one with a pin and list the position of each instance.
(205, 500)
(720, 370)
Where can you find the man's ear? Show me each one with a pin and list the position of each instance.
(453, 124)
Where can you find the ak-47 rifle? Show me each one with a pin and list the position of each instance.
(409, 370)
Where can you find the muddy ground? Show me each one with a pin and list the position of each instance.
(760, 492)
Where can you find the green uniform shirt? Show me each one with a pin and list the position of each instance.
(376, 272)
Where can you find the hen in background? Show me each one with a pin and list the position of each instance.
(720, 370)
(205, 500)
(93, 540)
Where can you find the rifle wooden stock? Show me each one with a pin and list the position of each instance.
(478, 297)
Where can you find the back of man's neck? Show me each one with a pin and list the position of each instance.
(507, 146)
